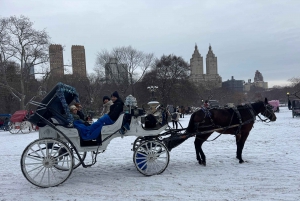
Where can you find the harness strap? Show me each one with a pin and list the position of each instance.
(240, 120)
(252, 111)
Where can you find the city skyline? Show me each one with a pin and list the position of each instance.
(245, 36)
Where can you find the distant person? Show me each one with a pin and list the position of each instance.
(182, 111)
(175, 119)
(206, 104)
(289, 105)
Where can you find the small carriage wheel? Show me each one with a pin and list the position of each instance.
(13, 128)
(40, 159)
(77, 162)
(25, 127)
(151, 158)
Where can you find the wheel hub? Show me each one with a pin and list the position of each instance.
(48, 162)
(151, 157)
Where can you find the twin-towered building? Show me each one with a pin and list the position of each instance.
(211, 79)
(57, 61)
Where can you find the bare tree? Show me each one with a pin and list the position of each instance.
(170, 73)
(28, 47)
(127, 59)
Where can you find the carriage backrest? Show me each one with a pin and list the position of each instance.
(18, 116)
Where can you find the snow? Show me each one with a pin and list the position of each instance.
(270, 173)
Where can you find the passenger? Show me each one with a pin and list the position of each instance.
(79, 112)
(93, 131)
(74, 110)
(106, 105)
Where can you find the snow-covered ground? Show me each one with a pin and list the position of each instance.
(270, 173)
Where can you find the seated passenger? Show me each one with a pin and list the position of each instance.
(79, 111)
(73, 110)
(93, 131)
(106, 105)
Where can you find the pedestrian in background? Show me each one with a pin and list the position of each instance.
(175, 119)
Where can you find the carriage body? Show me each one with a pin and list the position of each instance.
(4, 121)
(19, 123)
(296, 107)
(60, 149)
(108, 132)
(275, 105)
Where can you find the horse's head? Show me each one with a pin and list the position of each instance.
(268, 112)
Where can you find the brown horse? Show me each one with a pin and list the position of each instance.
(238, 121)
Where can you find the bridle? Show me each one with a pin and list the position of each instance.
(268, 113)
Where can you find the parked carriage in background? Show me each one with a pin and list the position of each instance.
(4, 121)
(296, 107)
(19, 122)
(275, 105)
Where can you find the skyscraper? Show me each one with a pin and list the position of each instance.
(56, 60)
(78, 61)
(116, 72)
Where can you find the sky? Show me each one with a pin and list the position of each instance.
(271, 170)
(245, 35)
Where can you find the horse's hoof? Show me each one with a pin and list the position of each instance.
(241, 161)
(201, 162)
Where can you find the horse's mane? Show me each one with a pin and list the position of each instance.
(257, 106)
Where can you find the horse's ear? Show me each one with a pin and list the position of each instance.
(266, 101)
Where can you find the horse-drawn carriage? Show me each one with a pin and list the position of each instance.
(275, 105)
(4, 121)
(19, 122)
(296, 107)
(50, 160)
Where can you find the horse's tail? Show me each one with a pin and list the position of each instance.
(191, 126)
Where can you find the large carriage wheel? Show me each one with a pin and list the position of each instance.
(14, 127)
(77, 162)
(40, 160)
(151, 158)
(26, 127)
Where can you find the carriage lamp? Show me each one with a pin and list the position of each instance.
(152, 89)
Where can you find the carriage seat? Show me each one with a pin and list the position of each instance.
(110, 129)
(60, 121)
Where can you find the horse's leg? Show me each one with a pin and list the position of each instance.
(240, 142)
(198, 147)
(197, 144)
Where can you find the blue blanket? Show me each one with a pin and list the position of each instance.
(93, 131)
